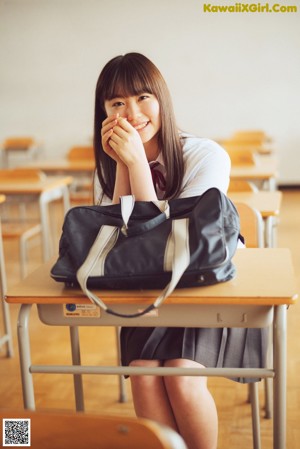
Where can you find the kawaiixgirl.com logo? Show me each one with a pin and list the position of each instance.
(250, 8)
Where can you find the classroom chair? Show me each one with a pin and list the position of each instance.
(58, 430)
(81, 189)
(16, 145)
(23, 232)
(255, 136)
(79, 153)
(251, 224)
(240, 155)
(20, 227)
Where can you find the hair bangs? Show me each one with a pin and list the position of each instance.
(127, 82)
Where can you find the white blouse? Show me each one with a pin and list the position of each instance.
(206, 164)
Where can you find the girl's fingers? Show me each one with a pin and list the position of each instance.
(124, 124)
(109, 123)
(120, 132)
(116, 138)
(110, 118)
(108, 127)
(107, 136)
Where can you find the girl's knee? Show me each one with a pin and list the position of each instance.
(145, 363)
(182, 384)
(183, 363)
(144, 381)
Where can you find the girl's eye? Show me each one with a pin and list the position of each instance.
(117, 104)
(144, 97)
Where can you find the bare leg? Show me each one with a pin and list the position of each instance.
(193, 407)
(181, 402)
(150, 397)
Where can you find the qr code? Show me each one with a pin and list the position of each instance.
(16, 432)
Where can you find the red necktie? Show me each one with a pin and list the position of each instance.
(157, 177)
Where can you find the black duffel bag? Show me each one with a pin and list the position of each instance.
(184, 242)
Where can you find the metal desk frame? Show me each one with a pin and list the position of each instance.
(219, 312)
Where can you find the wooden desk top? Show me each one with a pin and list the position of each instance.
(35, 187)
(266, 168)
(64, 165)
(266, 202)
(264, 277)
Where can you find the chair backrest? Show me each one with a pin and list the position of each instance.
(80, 153)
(21, 175)
(16, 143)
(251, 223)
(79, 431)
(237, 185)
(251, 136)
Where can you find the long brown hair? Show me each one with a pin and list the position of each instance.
(131, 75)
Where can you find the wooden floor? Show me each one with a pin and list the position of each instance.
(51, 345)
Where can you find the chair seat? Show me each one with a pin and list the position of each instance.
(16, 230)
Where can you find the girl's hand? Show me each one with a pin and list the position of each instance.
(127, 143)
(106, 133)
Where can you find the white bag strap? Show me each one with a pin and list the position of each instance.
(105, 241)
(127, 205)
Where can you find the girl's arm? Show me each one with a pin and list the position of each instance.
(141, 182)
(122, 184)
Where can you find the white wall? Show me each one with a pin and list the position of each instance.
(226, 71)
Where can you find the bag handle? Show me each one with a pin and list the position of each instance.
(127, 205)
(105, 241)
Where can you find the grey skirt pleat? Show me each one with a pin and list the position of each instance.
(224, 347)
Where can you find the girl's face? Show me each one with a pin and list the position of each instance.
(141, 111)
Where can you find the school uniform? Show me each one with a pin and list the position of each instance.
(206, 165)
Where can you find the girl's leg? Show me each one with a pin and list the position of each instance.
(193, 407)
(150, 398)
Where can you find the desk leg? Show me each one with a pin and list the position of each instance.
(279, 410)
(270, 232)
(122, 386)
(270, 184)
(7, 337)
(76, 360)
(25, 359)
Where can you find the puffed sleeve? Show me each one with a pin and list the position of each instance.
(207, 165)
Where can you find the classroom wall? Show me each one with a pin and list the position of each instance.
(226, 71)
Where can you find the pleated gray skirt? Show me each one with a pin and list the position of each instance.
(225, 347)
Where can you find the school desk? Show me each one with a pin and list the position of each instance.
(28, 149)
(44, 192)
(81, 170)
(265, 171)
(63, 166)
(258, 296)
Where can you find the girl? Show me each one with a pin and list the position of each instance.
(140, 151)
